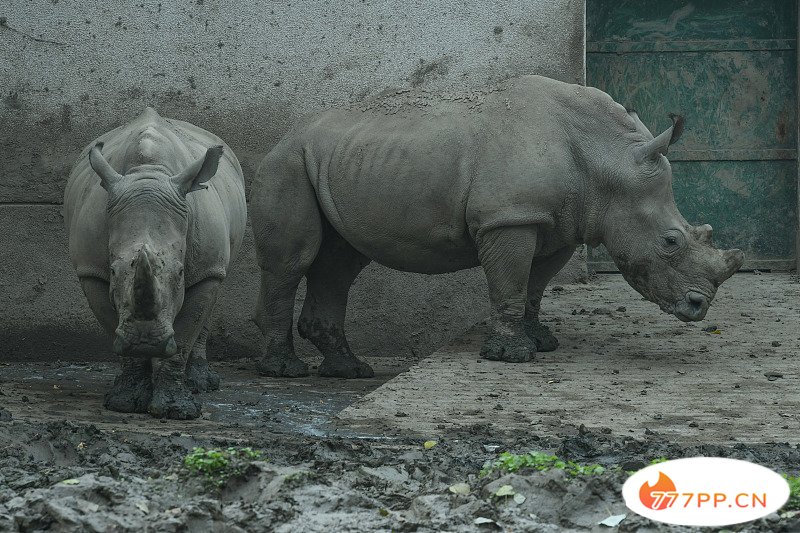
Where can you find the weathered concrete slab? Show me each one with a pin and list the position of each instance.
(623, 366)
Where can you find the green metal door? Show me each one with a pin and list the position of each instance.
(730, 67)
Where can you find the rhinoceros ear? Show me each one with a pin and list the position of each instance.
(108, 176)
(193, 178)
(660, 145)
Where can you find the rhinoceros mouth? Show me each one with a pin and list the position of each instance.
(163, 347)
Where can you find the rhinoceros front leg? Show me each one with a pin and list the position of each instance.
(200, 377)
(322, 320)
(132, 388)
(506, 255)
(172, 398)
(542, 271)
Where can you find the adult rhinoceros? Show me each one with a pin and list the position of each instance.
(510, 178)
(151, 235)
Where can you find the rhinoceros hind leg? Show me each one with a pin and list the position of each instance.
(274, 318)
(287, 237)
(200, 377)
(132, 389)
(322, 320)
(279, 360)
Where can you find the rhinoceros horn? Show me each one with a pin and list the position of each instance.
(144, 291)
(193, 178)
(108, 176)
(660, 144)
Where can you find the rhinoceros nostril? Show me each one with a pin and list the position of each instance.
(696, 302)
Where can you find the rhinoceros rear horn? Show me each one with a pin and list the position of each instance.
(193, 178)
(108, 176)
(660, 145)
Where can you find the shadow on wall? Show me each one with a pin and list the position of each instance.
(45, 316)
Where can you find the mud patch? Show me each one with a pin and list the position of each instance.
(67, 464)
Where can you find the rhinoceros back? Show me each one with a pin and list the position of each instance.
(217, 215)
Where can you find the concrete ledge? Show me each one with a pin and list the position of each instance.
(623, 368)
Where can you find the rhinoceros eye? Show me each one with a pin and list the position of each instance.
(672, 240)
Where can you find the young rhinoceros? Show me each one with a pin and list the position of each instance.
(511, 179)
(151, 235)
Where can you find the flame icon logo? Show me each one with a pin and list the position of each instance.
(659, 502)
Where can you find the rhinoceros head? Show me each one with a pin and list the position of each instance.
(147, 227)
(662, 256)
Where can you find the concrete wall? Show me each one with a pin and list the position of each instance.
(73, 69)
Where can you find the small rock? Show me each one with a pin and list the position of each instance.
(776, 343)
(693, 424)
(602, 311)
(772, 376)
(711, 329)
(621, 309)
(557, 288)
(5, 416)
(633, 465)
(400, 414)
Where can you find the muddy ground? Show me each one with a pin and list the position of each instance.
(335, 458)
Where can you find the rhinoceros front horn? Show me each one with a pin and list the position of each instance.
(660, 145)
(108, 176)
(733, 262)
(145, 306)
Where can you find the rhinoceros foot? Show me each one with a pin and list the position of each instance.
(513, 348)
(545, 340)
(345, 366)
(279, 361)
(132, 390)
(173, 400)
(286, 367)
(200, 377)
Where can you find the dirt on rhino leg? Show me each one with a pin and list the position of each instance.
(132, 389)
(279, 360)
(545, 340)
(508, 342)
(171, 397)
(200, 377)
(339, 360)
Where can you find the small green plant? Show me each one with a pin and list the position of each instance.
(658, 460)
(794, 493)
(217, 465)
(511, 462)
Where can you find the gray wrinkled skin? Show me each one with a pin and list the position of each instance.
(155, 211)
(510, 178)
